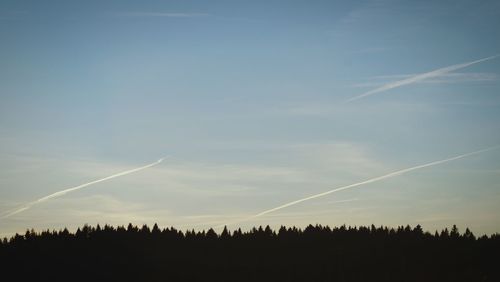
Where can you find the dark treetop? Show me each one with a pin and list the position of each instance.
(316, 253)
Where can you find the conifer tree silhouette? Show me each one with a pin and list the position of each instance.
(315, 253)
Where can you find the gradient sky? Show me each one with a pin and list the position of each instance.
(249, 99)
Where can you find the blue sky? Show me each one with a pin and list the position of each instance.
(249, 99)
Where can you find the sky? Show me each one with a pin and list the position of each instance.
(255, 104)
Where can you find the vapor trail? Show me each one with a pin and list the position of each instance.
(66, 191)
(375, 179)
(419, 77)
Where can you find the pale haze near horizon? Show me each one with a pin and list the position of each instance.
(249, 100)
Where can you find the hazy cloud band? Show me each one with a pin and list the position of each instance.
(375, 179)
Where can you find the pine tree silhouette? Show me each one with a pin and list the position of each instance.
(316, 253)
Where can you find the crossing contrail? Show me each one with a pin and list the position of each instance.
(375, 179)
(419, 77)
(66, 191)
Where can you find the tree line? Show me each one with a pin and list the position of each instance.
(315, 253)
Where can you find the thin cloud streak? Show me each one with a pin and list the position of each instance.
(69, 190)
(164, 15)
(375, 179)
(448, 78)
(419, 77)
(340, 201)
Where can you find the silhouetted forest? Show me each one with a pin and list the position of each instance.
(316, 253)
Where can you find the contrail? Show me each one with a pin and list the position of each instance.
(66, 191)
(419, 77)
(375, 179)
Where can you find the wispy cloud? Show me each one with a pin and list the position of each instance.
(447, 78)
(69, 190)
(191, 186)
(337, 201)
(73, 212)
(350, 186)
(162, 14)
(419, 77)
(370, 50)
